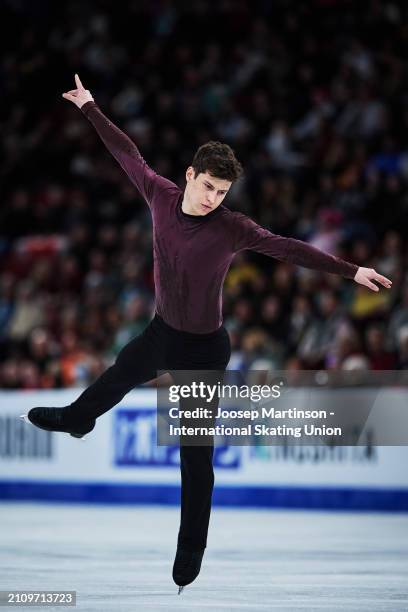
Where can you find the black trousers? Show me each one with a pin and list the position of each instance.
(161, 347)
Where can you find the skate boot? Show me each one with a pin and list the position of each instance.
(186, 568)
(57, 419)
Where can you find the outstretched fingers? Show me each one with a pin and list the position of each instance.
(370, 285)
(383, 280)
(69, 96)
(78, 82)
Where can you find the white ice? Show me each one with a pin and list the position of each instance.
(120, 558)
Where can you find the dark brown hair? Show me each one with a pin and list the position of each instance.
(218, 159)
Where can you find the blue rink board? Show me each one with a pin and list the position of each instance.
(313, 498)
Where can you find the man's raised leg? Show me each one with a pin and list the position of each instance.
(136, 363)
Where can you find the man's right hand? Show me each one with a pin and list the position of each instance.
(80, 95)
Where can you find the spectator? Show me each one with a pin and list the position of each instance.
(321, 131)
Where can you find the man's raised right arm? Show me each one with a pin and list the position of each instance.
(119, 145)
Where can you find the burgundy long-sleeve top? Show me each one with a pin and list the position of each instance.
(192, 254)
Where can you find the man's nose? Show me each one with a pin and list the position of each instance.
(211, 197)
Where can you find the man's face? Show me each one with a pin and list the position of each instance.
(204, 192)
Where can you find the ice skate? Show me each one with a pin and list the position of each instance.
(55, 419)
(186, 568)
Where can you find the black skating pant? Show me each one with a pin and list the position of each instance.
(161, 347)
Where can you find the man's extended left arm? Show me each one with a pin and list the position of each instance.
(250, 235)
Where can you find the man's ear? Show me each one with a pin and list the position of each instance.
(190, 174)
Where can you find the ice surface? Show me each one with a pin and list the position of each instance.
(120, 558)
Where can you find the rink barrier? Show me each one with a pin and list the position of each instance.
(352, 499)
(121, 463)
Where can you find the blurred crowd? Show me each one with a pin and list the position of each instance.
(312, 96)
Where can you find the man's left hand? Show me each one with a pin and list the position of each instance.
(364, 276)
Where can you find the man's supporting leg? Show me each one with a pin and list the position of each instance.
(209, 355)
(197, 483)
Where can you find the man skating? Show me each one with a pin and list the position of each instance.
(195, 239)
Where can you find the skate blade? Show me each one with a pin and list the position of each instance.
(180, 590)
(25, 418)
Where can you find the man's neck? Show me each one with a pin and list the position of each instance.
(187, 208)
